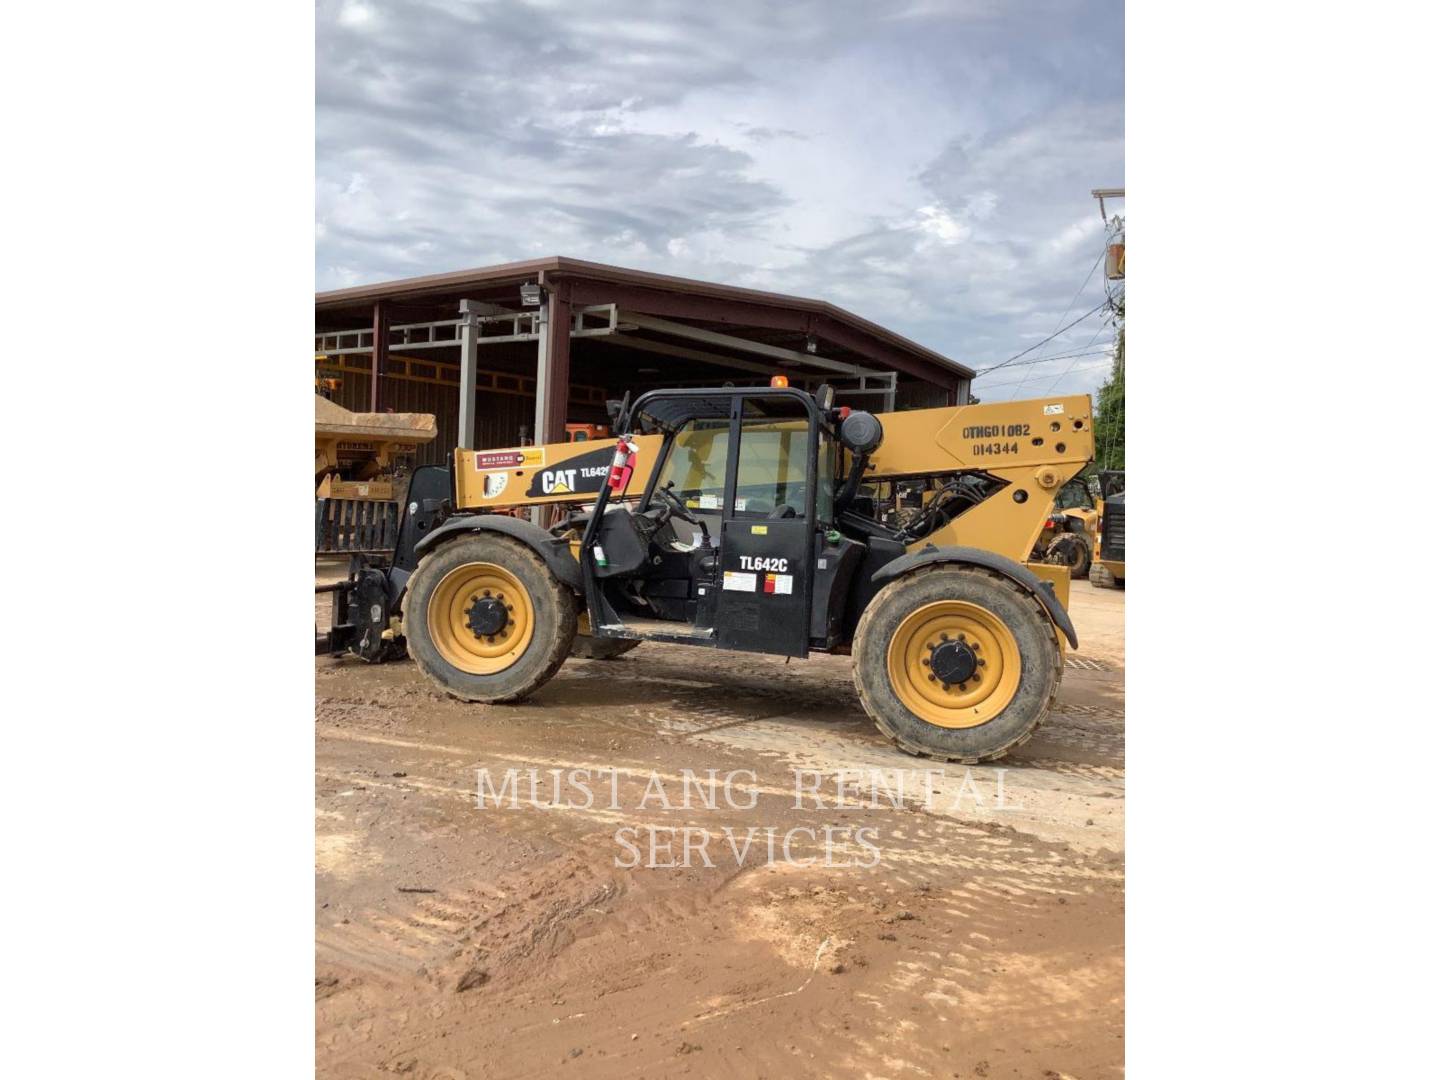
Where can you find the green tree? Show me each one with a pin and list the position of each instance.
(1110, 413)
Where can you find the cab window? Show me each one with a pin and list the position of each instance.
(696, 463)
(774, 459)
(1073, 496)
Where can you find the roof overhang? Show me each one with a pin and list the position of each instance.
(723, 308)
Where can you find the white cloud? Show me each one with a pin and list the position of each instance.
(928, 167)
(941, 224)
(355, 15)
(1080, 234)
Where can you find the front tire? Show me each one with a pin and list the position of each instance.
(986, 635)
(487, 620)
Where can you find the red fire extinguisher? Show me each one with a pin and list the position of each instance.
(622, 465)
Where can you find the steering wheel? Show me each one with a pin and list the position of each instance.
(677, 507)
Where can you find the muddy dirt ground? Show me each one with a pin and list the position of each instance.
(974, 930)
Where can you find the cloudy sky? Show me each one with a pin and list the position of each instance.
(925, 163)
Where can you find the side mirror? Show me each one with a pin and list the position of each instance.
(825, 397)
(617, 411)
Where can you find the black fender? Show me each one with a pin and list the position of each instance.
(555, 551)
(990, 560)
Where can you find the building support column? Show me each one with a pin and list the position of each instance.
(552, 368)
(552, 377)
(542, 377)
(469, 361)
(379, 351)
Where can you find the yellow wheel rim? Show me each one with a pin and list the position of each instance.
(989, 688)
(448, 618)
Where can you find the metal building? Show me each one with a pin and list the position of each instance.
(505, 355)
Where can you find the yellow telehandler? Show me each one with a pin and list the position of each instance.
(751, 519)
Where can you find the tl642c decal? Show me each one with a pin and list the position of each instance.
(763, 562)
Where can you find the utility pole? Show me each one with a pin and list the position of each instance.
(1110, 400)
(1114, 245)
(1103, 193)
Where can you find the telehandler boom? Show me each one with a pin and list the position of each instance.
(753, 519)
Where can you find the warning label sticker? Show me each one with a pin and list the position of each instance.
(735, 581)
(527, 457)
(780, 584)
(1058, 409)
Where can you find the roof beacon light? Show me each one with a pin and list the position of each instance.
(779, 380)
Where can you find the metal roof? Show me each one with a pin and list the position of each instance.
(729, 303)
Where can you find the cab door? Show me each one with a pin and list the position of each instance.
(768, 524)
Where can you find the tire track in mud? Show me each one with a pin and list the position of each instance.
(911, 835)
(554, 955)
(980, 940)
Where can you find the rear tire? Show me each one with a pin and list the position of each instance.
(1101, 577)
(593, 648)
(1072, 550)
(518, 657)
(1011, 694)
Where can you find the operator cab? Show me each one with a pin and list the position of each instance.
(1074, 495)
(724, 544)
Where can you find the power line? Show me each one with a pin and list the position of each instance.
(1080, 290)
(1050, 389)
(1071, 306)
(1016, 382)
(1042, 341)
(1060, 356)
